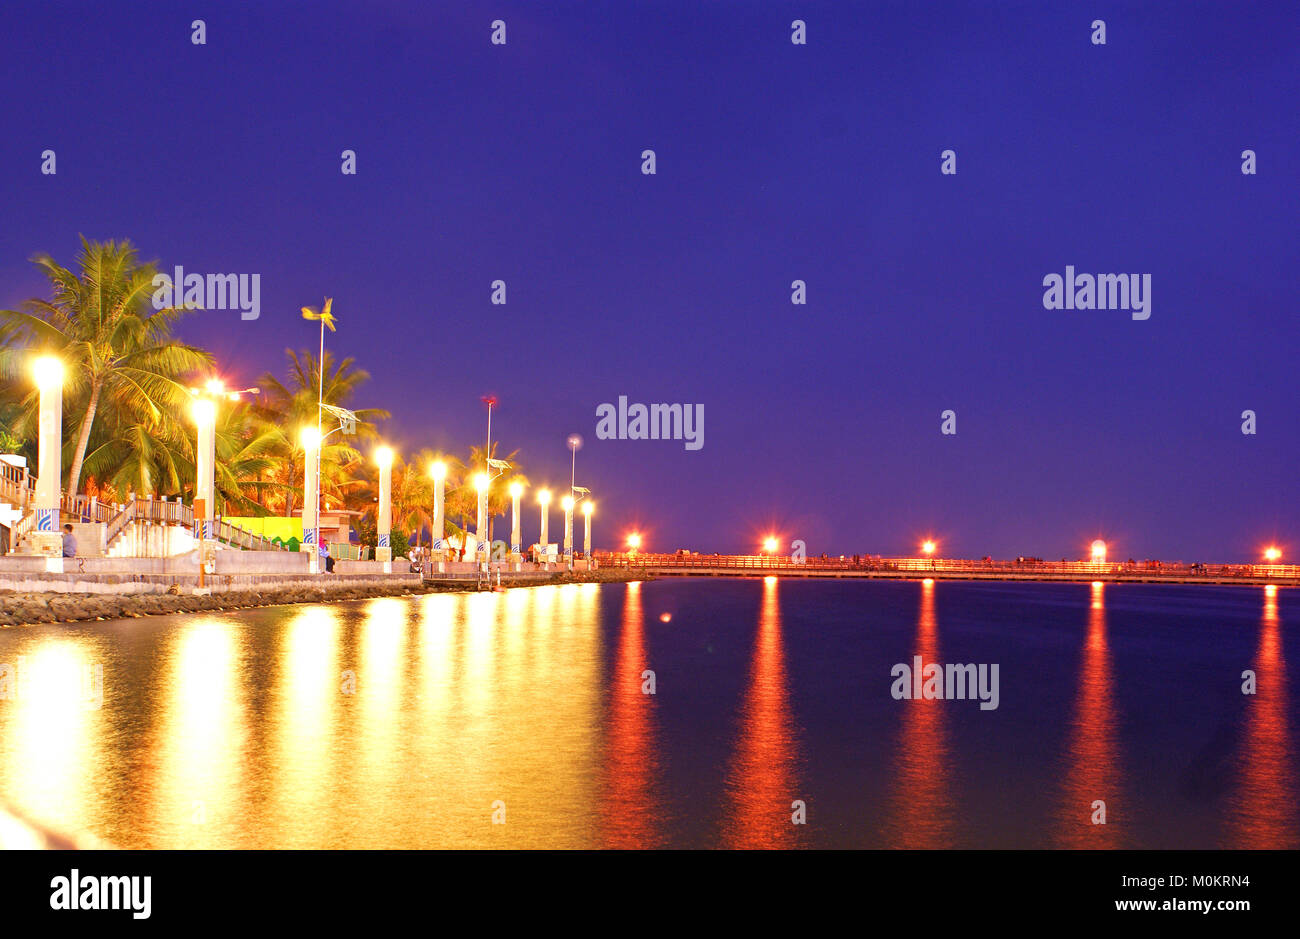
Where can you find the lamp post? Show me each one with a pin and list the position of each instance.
(544, 500)
(384, 517)
(587, 508)
(516, 537)
(204, 411)
(481, 547)
(326, 319)
(575, 444)
(310, 495)
(568, 531)
(439, 473)
(47, 539)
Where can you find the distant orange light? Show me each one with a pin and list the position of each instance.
(1272, 554)
(1099, 550)
(634, 541)
(665, 617)
(928, 546)
(770, 544)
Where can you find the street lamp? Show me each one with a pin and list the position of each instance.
(326, 319)
(927, 547)
(1272, 554)
(204, 411)
(47, 540)
(770, 544)
(575, 444)
(1099, 551)
(384, 517)
(633, 542)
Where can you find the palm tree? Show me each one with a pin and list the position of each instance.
(410, 493)
(135, 459)
(291, 405)
(246, 451)
(115, 351)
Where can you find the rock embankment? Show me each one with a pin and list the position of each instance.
(19, 608)
(26, 608)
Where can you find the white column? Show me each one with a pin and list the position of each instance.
(205, 418)
(384, 517)
(48, 537)
(587, 509)
(310, 531)
(481, 547)
(544, 500)
(516, 490)
(568, 530)
(439, 473)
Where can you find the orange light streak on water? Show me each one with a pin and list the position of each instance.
(1092, 769)
(923, 806)
(761, 783)
(1262, 807)
(631, 811)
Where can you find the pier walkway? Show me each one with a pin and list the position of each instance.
(730, 565)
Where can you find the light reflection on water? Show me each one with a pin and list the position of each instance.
(1262, 809)
(761, 784)
(409, 723)
(1092, 806)
(924, 812)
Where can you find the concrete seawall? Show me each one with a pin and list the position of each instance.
(32, 596)
(73, 601)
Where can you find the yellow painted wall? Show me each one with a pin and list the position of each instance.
(270, 526)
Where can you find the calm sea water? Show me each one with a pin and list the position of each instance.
(410, 723)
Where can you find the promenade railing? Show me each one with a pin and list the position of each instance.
(1022, 566)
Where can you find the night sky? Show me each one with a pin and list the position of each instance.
(775, 162)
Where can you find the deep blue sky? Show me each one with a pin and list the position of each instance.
(775, 162)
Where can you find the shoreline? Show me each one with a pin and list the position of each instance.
(32, 608)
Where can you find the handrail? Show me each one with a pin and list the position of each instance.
(125, 514)
(16, 478)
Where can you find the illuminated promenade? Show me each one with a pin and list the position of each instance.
(724, 565)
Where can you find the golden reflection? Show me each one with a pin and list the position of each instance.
(631, 808)
(201, 740)
(437, 612)
(1262, 807)
(397, 723)
(522, 729)
(1093, 773)
(923, 804)
(54, 725)
(375, 734)
(761, 783)
(307, 687)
